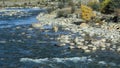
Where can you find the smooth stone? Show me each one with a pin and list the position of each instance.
(102, 62)
(103, 45)
(107, 44)
(80, 47)
(72, 44)
(103, 48)
(72, 47)
(94, 49)
(84, 25)
(63, 44)
(82, 40)
(84, 47)
(103, 40)
(80, 43)
(118, 50)
(87, 51)
(37, 25)
(90, 45)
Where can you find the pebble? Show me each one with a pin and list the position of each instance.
(102, 48)
(103, 40)
(87, 51)
(72, 44)
(72, 47)
(84, 25)
(79, 47)
(63, 44)
(80, 43)
(84, 47)
(94, 49)
(37, 25)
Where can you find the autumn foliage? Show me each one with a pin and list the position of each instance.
(87, 12)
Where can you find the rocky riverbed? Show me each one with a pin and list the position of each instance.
(83, 36)
(100, 40)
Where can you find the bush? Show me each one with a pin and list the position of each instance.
(94, 5)
(87, 12)
(60, 5)
(64, 12)
(49, 10)
(105, 7)
(61, 14)
(108, 6)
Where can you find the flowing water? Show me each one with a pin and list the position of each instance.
(22, 46)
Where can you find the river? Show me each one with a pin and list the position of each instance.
(22, 46)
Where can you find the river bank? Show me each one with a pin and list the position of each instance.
(101, 40)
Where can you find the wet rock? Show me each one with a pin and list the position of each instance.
(87, 51)
(102, 62)
(37, 25)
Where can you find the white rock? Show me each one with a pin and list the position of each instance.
(71, 47)
(90, 45)
(102, 62)
(103, 40)
(37, 25)
(87, 51)
(118, 50)
(84, 47)
(102, 48)
(94, 49)
(72, 44)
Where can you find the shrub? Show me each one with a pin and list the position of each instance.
(87, 12)
(108, 6)
(60, 5)
(64, 12)
(61, 14)
(94, 5)
(50, 9)
(105, 6)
